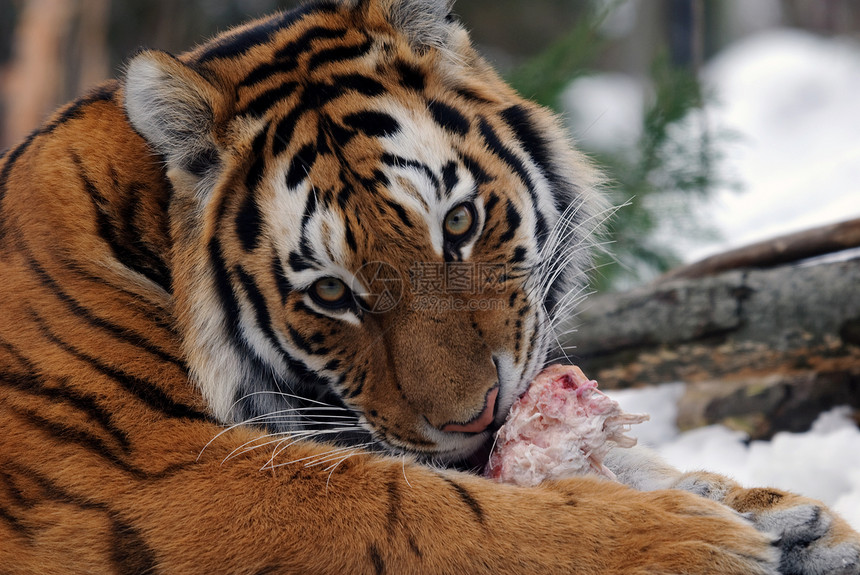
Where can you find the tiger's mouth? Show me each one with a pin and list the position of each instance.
(466, 451)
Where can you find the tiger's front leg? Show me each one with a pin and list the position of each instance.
(371, 514)
(169, 511)
(813, 539)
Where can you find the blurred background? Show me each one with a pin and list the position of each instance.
(719, 122)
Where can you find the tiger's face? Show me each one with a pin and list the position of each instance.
(371, 230)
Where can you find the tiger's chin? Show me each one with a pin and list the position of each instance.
(477, 461)
(469, 454)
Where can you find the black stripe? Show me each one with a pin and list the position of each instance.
(300, 342)
(308, 213)
(14, 492)
(411, 77)
(285, 288)
(491, 203)
(332, 365)
(157, 315)
(35, 384)
(372, 123)
(474, 167)
(128, 249)
(239, 43)
(316, 95)
(9, 162)
(75, 110)
(506, 155)
(350, 238)
(376, 180)
(258, 303)
(306, 251)
(496, 146)
(358, 83)
(450, 177)
(129, 550)
(10, 157)
(266, 70)
(106, 231)
(376, 560)
(413, 546)
(249, 222)
(302, 44)
(72, 111)
(400, 211)
(537, 146)
(358, 382)
(229, 304)
(467, 498)
(393, 514)
(513, 220)
(64, 433)
(145, 259)
(284, 131)
(345, 193)
(146, 391)
(15, 524)
(339, 54)
(472, 95)
(122, 333)
(297, 263)
(286, 58)
(261, 104)
(449, 118)
(257, 167)
(322, 140)
(401, 162)
(301, 165)
(519, 255)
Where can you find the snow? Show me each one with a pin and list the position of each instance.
(823, 463)
(792, 97)
(788, 101)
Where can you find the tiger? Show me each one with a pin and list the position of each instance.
(225, 346)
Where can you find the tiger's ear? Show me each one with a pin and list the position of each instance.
(174, 108)
(427, 23)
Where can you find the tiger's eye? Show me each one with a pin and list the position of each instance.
(459, 221)
(329, 291)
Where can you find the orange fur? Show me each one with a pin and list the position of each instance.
(112, 455)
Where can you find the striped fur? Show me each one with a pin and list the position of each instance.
(175, 399)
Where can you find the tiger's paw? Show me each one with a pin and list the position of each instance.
(703, 537)
(661, 532)
(813, 540)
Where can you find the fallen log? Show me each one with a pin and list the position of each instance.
(787, 339)
(777, 251)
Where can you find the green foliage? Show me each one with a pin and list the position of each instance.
(545, 76)
(658, 179)
(671, 166)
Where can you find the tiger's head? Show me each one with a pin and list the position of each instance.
(364, 215)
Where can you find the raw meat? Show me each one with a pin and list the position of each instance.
(561, 426)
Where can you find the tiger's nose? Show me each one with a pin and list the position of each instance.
(480, 423)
